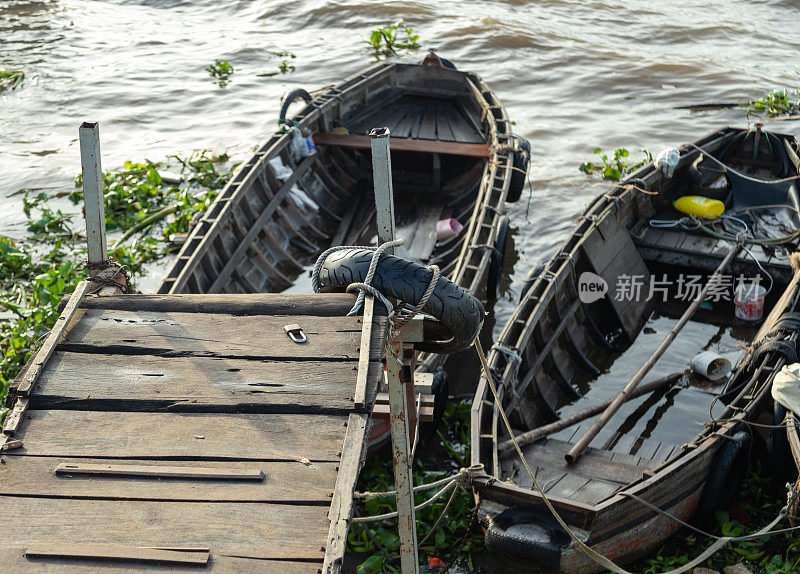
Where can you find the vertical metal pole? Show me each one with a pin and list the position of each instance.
(89, 135)
(398, 406)
(382, 176)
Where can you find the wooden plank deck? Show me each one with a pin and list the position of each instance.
(167, 433)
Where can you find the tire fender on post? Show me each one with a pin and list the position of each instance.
(459, 314)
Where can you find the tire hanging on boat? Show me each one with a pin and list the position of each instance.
(522, 158)
(730, 466)
(525, 536)
(498, 259)
(459, 312)
(290, 98)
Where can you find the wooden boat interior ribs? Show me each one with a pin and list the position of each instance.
(452, 157)
(562, 352)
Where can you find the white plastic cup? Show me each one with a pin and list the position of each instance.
(712, 366)
(446, 228)
(749, 301)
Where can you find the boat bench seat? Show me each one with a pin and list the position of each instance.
(704, 253)
(405, 144)
(593, 477)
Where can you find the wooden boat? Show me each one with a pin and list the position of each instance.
(561, 352)
(453, 156)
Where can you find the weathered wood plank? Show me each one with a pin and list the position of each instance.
(128, 470)
(403, 144)
(116, 553)
(31, 372)
(179, 436)
(150, 383)
(254, 530)
(175, 334)
(341, 511)
(360, 395)
(283, 482)
(14, 418)
(280, 304)
(13, 559)
(550, 454)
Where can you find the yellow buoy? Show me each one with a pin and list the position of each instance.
(700, 206)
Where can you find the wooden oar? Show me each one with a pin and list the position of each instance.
(545, 430)
(583, 442)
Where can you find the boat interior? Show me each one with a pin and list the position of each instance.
(577, 354)
(282, 209)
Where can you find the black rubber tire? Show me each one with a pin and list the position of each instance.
(522, 158)
(730, 466)
(290, 99)
(531, 279)
(458, 311)
(518, 549)
(498, 259)
(779, 447)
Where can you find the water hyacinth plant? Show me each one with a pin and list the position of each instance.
(617, 167)
(389, 40)
(776, 103)
(37, 272)
(284, 67)
(11, 79)
(221, 70)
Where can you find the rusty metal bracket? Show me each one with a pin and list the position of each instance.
(295, 333)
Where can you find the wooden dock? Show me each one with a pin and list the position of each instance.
(175, 432)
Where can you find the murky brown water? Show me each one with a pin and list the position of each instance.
(573, 74)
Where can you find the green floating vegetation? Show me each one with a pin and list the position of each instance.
(221, 70)
(617, 167)
(391, 39)
(11, 79)
(380, 539)
(285, 66)
(776, 103)
(757, 502)
(37, 272)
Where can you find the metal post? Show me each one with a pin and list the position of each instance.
(382, 177)
(94, 210)
(398, 405)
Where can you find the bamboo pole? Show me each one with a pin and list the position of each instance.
(583, 442)
(545, 430)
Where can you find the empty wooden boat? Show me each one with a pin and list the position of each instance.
(573, 343)
(453, 158)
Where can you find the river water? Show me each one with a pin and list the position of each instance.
(573, 74)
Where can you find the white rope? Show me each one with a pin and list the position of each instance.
(363, 287)
(465, 475)
(389, 515)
